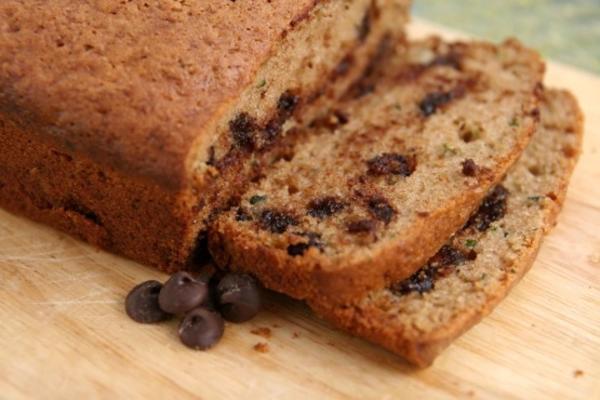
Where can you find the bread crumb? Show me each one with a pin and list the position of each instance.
(261, 347)
(578, 373)
(295, 335)
(595, 258)
(262, 331)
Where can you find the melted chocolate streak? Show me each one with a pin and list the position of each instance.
(493, 208)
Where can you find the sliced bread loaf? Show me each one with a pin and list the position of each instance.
(417, 318)
(129, 123)
(381, 184)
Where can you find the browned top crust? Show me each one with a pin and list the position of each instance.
(133, 83)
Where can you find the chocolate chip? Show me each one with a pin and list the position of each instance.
(276, 221)
(242, 215)
(471, 255)
(242, 129)
(325, 207)
(381, 209)
(433, 101)
(287, 104)
(201, 328)
(273, 128)
(297, 249)
(447, 255)
(391, 163)
(421, 281)
(361, 226)
(492, 209)
(141, 303)
(440, 265)
(239, 297)
(469, 168)
(182, 292)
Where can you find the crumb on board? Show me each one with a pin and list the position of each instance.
(261, 347)
(578, 373)
(295, 335)
(262, 331)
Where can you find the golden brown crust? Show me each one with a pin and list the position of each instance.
(94, 203)
(343, 275)
(397, 322)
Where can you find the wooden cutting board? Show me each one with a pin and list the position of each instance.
(63, 332)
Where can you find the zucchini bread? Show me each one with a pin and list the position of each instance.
(128, 124)
(379, 185)
(417, 318)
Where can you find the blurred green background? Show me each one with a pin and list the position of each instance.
(564, 30)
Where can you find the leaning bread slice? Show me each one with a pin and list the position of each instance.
(379, 187)
(417, 318)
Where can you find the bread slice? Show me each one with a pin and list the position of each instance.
(421, 316)
(128, 123)
(379, 186)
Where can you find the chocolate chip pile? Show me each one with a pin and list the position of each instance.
(201, 299)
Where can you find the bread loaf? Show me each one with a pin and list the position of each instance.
(128, 124)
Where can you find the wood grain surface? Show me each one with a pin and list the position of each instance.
(64, 334)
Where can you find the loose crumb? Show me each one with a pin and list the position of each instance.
(261, 347)
(578, 373)
(295, 335)
(262, 331)
(595, 258)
